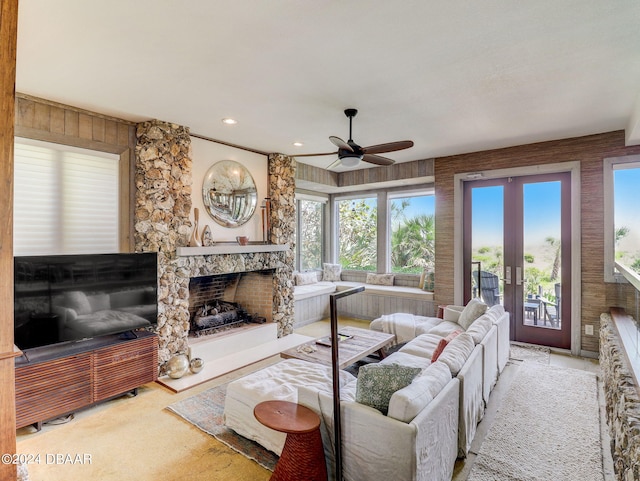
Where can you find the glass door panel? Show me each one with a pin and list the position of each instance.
(542, 244)
(487, 235)
(517, 252)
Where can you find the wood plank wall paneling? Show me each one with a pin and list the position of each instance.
(52, 122)
(8, 39)
(590, 151)
(406, 170)
(310, 173)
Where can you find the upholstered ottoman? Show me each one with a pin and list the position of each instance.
(279, 381)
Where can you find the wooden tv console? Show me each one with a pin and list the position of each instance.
(60, 379)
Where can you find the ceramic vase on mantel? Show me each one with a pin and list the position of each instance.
(206, 237)
(194, 241)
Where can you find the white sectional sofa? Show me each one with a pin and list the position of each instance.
(429, 423)
(490, 333)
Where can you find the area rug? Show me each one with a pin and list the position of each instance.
(539, 354)
(547, 428)
(205, 411)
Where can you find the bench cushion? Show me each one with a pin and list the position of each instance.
(312, 290)
(396, 291)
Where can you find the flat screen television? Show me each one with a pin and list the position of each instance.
(67, 298)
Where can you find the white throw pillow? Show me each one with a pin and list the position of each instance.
(457, 352)
(473, 310)
(479, 328)
(380, 279)
(406, 403)
(331, 272)
(306, 278)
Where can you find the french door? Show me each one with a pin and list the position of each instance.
(517, 252)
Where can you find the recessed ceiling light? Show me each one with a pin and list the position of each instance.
(229, 121)
(298, 144)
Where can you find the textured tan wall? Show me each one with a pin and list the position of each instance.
(597, 296)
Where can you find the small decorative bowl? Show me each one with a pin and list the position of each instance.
(177, 366)
(196, 365)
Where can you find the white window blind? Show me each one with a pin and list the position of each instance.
(65, 200)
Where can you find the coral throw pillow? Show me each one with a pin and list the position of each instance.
(442, 344)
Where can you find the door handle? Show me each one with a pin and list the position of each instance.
(507, 275)
(518, 276)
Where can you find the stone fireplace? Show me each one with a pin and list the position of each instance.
(162, 207)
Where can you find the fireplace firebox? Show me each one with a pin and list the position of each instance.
(224, 301)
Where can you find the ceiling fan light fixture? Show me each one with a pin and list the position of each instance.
(350, 161)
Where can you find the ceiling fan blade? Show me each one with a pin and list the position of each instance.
(388, 147)
(314, 155)
(341, 144)
(377, 159)
(335, 163)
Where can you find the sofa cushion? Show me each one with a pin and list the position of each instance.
(444, 328)
(306, 278)
(495, 312)
(479, 328)
(422, 346)
(473, 310)
(457, 352)
(331, 272)
(407, 402)
(406, 359)
(77, 300)
(377, 383)
(380, 279)
(442, 344)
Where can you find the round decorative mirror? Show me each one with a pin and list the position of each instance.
(229, 193)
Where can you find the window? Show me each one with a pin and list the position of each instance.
(65, 200)
(310, 233)
(626, 178)
(411, 233)
(357, 233)
(622, 234)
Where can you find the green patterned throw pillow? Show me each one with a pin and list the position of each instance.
(377, 383)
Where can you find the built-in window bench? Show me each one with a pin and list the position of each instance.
(312, 300)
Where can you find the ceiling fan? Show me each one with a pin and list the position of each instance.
(350, 153)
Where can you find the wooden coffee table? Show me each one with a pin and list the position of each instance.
(361, 343)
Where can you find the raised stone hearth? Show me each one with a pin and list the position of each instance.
(162, 207)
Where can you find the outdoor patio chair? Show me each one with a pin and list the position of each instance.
(552, 309)
(489, 287)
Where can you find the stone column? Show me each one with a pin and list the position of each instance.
(161, 223)
(282, 185)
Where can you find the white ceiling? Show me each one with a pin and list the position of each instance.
(452, 76)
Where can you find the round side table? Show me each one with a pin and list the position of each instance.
(303, 455)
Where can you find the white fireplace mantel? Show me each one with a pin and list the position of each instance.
(230, 249)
